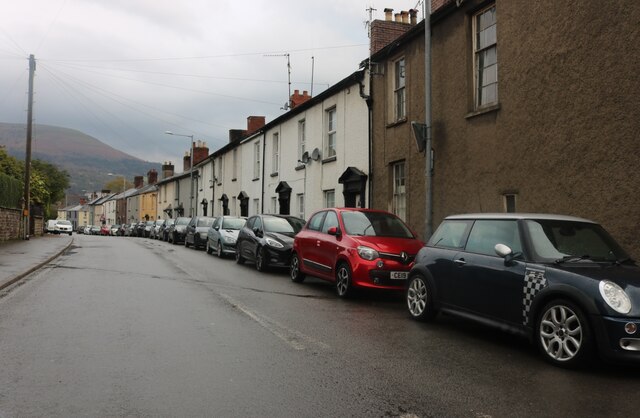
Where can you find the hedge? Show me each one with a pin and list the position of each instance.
(10, 192)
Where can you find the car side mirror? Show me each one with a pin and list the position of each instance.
(507, 253)
(334, 231)
(257, 231)
(217, 228)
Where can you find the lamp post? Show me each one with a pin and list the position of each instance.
(190, 167)
(124, 189)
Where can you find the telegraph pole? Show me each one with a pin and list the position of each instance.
(27, 159)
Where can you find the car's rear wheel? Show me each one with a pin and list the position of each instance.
(297, 276)
(420, 299)
(563, 335)
(261, 259)
(208, 247)
(239, 258)
(344, 286)
(186, 243)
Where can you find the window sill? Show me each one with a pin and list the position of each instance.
(329, 160)
(274, 174)
(300, 167)
(483, 111)
(396, 123)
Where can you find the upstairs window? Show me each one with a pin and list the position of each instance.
(256, 160)
(486, 57)
(329, 198)
(399, 191)
(302, 138)
(331, 133)
(275, 157)
(399, 90)
(235, 163)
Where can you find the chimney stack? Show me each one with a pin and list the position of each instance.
(254, 123)
(186, 161)
(384, 32)
(138, 182)
(167, 170)
(152, 176)
(297, 99)
(200, 152)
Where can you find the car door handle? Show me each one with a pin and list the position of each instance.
(459, 262)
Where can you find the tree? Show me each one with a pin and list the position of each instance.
(56, 180)
(115, 185)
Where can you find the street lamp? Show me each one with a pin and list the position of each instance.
(190, 167)
(124, 189)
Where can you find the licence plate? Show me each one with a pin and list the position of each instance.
(398, 275)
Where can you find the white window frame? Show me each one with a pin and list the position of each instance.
(399, 89)
(275, 157)
(302, 138)
(235, 163)
(256, 160)
(332, 122)
(274, 205)
(485, 60)
(399, 190)
(300, 205)
(330, 198)
(219, 170)
(256, 206)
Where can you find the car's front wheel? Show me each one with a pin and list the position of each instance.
(563, 335)
(297, 276)
(208, 247)
(344, 286)
(420, 299)
(239, 258)
(220, 253)
(261, 260)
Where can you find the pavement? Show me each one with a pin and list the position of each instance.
(19, 258)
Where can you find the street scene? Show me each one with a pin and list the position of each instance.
(411, 209)
(163, 330)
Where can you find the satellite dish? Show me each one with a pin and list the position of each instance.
(315, 155)
(305, 157)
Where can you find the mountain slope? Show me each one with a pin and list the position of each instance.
(86, 159)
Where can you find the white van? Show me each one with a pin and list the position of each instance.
(51, 226)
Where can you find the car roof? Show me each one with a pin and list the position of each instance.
(516, 216)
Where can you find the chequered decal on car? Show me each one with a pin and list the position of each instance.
(534, 281)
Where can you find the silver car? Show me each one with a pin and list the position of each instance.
(223, 234)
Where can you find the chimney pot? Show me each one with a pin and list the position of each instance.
(413, 14)
(387, 14)
(405, 16)
(398, 17)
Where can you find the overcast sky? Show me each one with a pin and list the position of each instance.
(126, 71)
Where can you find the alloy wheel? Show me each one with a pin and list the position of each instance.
(561, 333)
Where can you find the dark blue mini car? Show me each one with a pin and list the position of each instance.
(559, 280)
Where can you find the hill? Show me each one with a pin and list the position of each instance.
(86, 159)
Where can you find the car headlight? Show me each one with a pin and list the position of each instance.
(615, 297)
(367, 253)
(229, 240)
(272, 242)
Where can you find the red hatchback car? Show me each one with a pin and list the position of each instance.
(355, 248)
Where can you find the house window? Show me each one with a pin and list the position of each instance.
(399, 191)
(331, 133)
(486, 57)
(329, 198)
(509, 203)
(256, 206)
(274, 203)
(275, 156)
(302, 138)
(256, 160)
(235, 163)
(300, 205)
(234, 204)
(399, 90)
(219, 170)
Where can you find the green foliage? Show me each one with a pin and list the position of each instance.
(116, 184)
(47, 182)
(10, 191)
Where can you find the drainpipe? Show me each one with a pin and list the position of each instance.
(369, 102)
(428, 229)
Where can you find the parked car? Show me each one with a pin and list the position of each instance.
(63, 227)
(267, 240)
(94, 230)
(50, 227)
(164, 229)
(148, 226)
(561, 281)
(105, 230)
(177, 230)
(155, 231)
(196, 231)
(140, 228)
(223, 235)
(355, 248)
(114, 230)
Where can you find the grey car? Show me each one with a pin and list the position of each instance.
(223, 234)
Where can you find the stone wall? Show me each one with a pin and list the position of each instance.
(10, 225)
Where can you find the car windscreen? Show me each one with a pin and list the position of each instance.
(375, 224)
(205, 222)
(233, 223)
(182, 221)
(63, 223)
(282, 225)
(558, 240)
